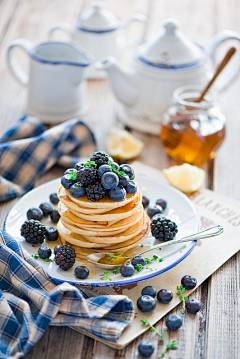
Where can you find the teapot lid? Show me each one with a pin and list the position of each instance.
(171, 48)
(98, 19)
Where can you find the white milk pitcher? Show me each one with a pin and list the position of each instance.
(55, 79)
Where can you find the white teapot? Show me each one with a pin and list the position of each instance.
(101, 33)
(159, 66)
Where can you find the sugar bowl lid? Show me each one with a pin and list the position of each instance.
(98, 19)
(171, 48)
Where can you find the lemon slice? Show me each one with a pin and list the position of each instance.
(186, 178)
(122, 144)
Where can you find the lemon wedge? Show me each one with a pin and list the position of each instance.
(122, 144)
(186, 178)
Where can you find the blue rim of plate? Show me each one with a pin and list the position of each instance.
(130, 280)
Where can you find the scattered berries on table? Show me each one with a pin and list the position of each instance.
(77, 190)
(44, 252)
(128, 170)
(33, 231)
(157, 216)
(163, 229)
(95, 192)
(103, 169)
(65, 257)
(188, 282)
(149, 290)
(173, 322)
(162, 203)
(57, 248)
(87, 176)
(193, 305)
(131, 187)
(146, 348)
(109, 180)
(54, 198)
(117, 194)
(164, 296)
(81, 272)
(35, 213)
(67, 181)
(51, 234)
(138, 260)
(152, 210)
(145, 202)
(127, 270)
(100, 158)
(146, 303)
(46, 208)
(55, 216)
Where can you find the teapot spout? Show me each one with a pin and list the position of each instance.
(122, 80)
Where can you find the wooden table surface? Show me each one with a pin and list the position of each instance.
(199, 337)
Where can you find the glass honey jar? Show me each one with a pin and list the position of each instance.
(190, 131)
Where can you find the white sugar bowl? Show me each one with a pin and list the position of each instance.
(101, 33)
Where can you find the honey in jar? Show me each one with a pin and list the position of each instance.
(191, 132)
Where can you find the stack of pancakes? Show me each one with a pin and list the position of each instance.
(102, 226)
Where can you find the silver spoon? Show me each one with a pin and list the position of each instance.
(210, 232)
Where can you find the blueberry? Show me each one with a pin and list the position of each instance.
(103, 169)
(145, 202)
(127, 269)
(173, 322)
(47, 208)
(193, 306)
(123, 181)
(52, 234)
(54, 198)
(188, 282)
(57, 248)
(146, 303)
(81, 272)
(128, 170)
(162, 203)
(117, 194)
(115, 165)
(67, 181)
(154, 210)
(109, 180)
(158, 216)
(138, 260)
(77, 190)
(164, 296)
(146, 348)
(70, 170)
(44, 252)
(79, 165)
(149, 290)
(131, 187)
(35, 213)
(55, 216)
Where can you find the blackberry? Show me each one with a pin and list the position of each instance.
(65, 257)
(87, 175)
(163, 229)
(100, 158)
(95, 192)
(33, 231)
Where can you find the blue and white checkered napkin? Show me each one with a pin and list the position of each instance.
(30, 301)
(27, 150)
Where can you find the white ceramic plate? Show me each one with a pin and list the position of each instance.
(179, 209)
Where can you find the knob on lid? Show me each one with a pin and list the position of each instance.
(170, 48)
(98, 19)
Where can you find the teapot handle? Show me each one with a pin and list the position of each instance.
(139, 37)
(21, 76)
(63, 26)
(217, 40)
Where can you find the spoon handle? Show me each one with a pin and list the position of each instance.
(210, 232)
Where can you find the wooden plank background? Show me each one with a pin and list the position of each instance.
(214, 333)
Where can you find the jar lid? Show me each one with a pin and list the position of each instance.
(171, 48)
(98, 19)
